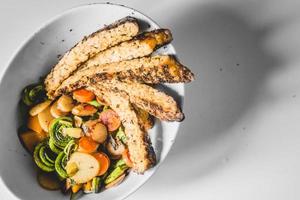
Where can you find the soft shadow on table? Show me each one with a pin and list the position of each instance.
(230, 67)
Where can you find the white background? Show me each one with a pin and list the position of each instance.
(241, 135)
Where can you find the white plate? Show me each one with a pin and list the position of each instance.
(34, 59)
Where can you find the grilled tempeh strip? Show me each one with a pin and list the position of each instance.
(122, 30)
(138, 142)
(155, 69)
(145, 97)
(169, 72)
(140, 46)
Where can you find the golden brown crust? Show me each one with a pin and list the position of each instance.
(156, 69)
(142, 45)
(147, 98)
(100, 40)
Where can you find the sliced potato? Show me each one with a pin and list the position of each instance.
(87, 145)
(48, 181)
(55, 112)
(116, 182)
(99, 133)
(88, 167)
(73, 132)
(65, 103)
(39, 108)
(84, 110)
(96, 130)
(30, 139)
(45, 118)
(34, 124)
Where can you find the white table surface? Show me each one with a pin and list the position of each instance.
(241, 135)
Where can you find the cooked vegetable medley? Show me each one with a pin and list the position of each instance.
(77, 143)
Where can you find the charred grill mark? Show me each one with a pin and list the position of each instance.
(116, 24)
(187, 75)
(100, 77)
(150, 151)
(158, 74)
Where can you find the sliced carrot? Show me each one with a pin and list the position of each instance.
(83, 95)
(75, 188)
(84, 110)
(111, 119)
(126, 158)
(87, 187)
(87, 145)
(103, 161)
(34, 124)
(89, 107)
(39, 108)
(45, 119)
